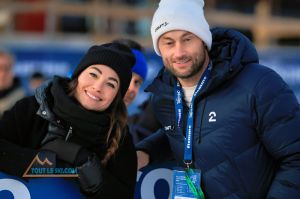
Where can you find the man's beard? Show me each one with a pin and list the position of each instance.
(196, 67)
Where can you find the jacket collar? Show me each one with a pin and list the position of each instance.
(44, 101)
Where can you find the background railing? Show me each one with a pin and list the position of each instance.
(264, 21)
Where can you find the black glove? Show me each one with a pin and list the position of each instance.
(91, 175)
(69, 152)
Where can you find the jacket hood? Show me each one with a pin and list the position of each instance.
(231, 52)
(232, 48)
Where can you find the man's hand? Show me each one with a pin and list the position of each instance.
(143, 159)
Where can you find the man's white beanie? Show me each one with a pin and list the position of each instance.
(185, 15)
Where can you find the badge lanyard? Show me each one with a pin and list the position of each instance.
(188, 145)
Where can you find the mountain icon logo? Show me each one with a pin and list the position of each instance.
(41, 167)
(45, 162)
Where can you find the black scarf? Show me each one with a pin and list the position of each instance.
(90, 128)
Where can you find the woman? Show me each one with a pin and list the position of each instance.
(80, 123)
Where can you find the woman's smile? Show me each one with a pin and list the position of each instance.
(92, 96)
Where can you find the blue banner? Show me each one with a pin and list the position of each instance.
(12, 187)
(152, 182)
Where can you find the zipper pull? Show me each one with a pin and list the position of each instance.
(69, 134)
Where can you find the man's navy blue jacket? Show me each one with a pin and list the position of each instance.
(246, 125)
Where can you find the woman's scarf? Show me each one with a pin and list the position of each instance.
(89, 128)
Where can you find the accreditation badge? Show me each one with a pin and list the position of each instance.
(186, 184)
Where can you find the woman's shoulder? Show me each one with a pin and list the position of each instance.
(28, 102)
(25, 108)
(21, 114)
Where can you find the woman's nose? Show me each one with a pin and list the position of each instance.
(97, 86)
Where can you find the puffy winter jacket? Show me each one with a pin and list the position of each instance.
(246, 125)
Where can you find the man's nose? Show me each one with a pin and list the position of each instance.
(179, 50)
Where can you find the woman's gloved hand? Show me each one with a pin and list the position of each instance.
(71, 153)
(91, 175)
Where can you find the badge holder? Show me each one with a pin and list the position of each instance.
(186, 184)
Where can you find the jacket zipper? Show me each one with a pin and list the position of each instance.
(201, 119)
(69, 134)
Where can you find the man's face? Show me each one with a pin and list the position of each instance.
(133, 89)
(6, 73)
(184, 55)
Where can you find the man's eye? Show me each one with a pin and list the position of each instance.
(138, 83)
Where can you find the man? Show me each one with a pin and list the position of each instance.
(143, 123)
(10, 86)
(241, 130)
(139, 70)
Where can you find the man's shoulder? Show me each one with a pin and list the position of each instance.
(255, 71)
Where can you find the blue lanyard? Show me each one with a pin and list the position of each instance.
(188, 145)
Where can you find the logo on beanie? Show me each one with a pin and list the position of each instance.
(161, 25)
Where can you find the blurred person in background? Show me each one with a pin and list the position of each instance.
(232, 124)
(143, 123)
(11, 89)
(78, 122)
(35, 80)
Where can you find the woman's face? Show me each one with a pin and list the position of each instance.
(97, 87)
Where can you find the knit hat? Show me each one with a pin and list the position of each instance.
(185, 15)
(116, 56)
(140, 66)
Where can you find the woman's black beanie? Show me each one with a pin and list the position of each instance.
(116, 56)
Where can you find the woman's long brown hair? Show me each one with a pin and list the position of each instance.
(118, 121)
(117, 112)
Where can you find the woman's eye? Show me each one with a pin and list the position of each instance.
(111, 85)
(93, 75)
